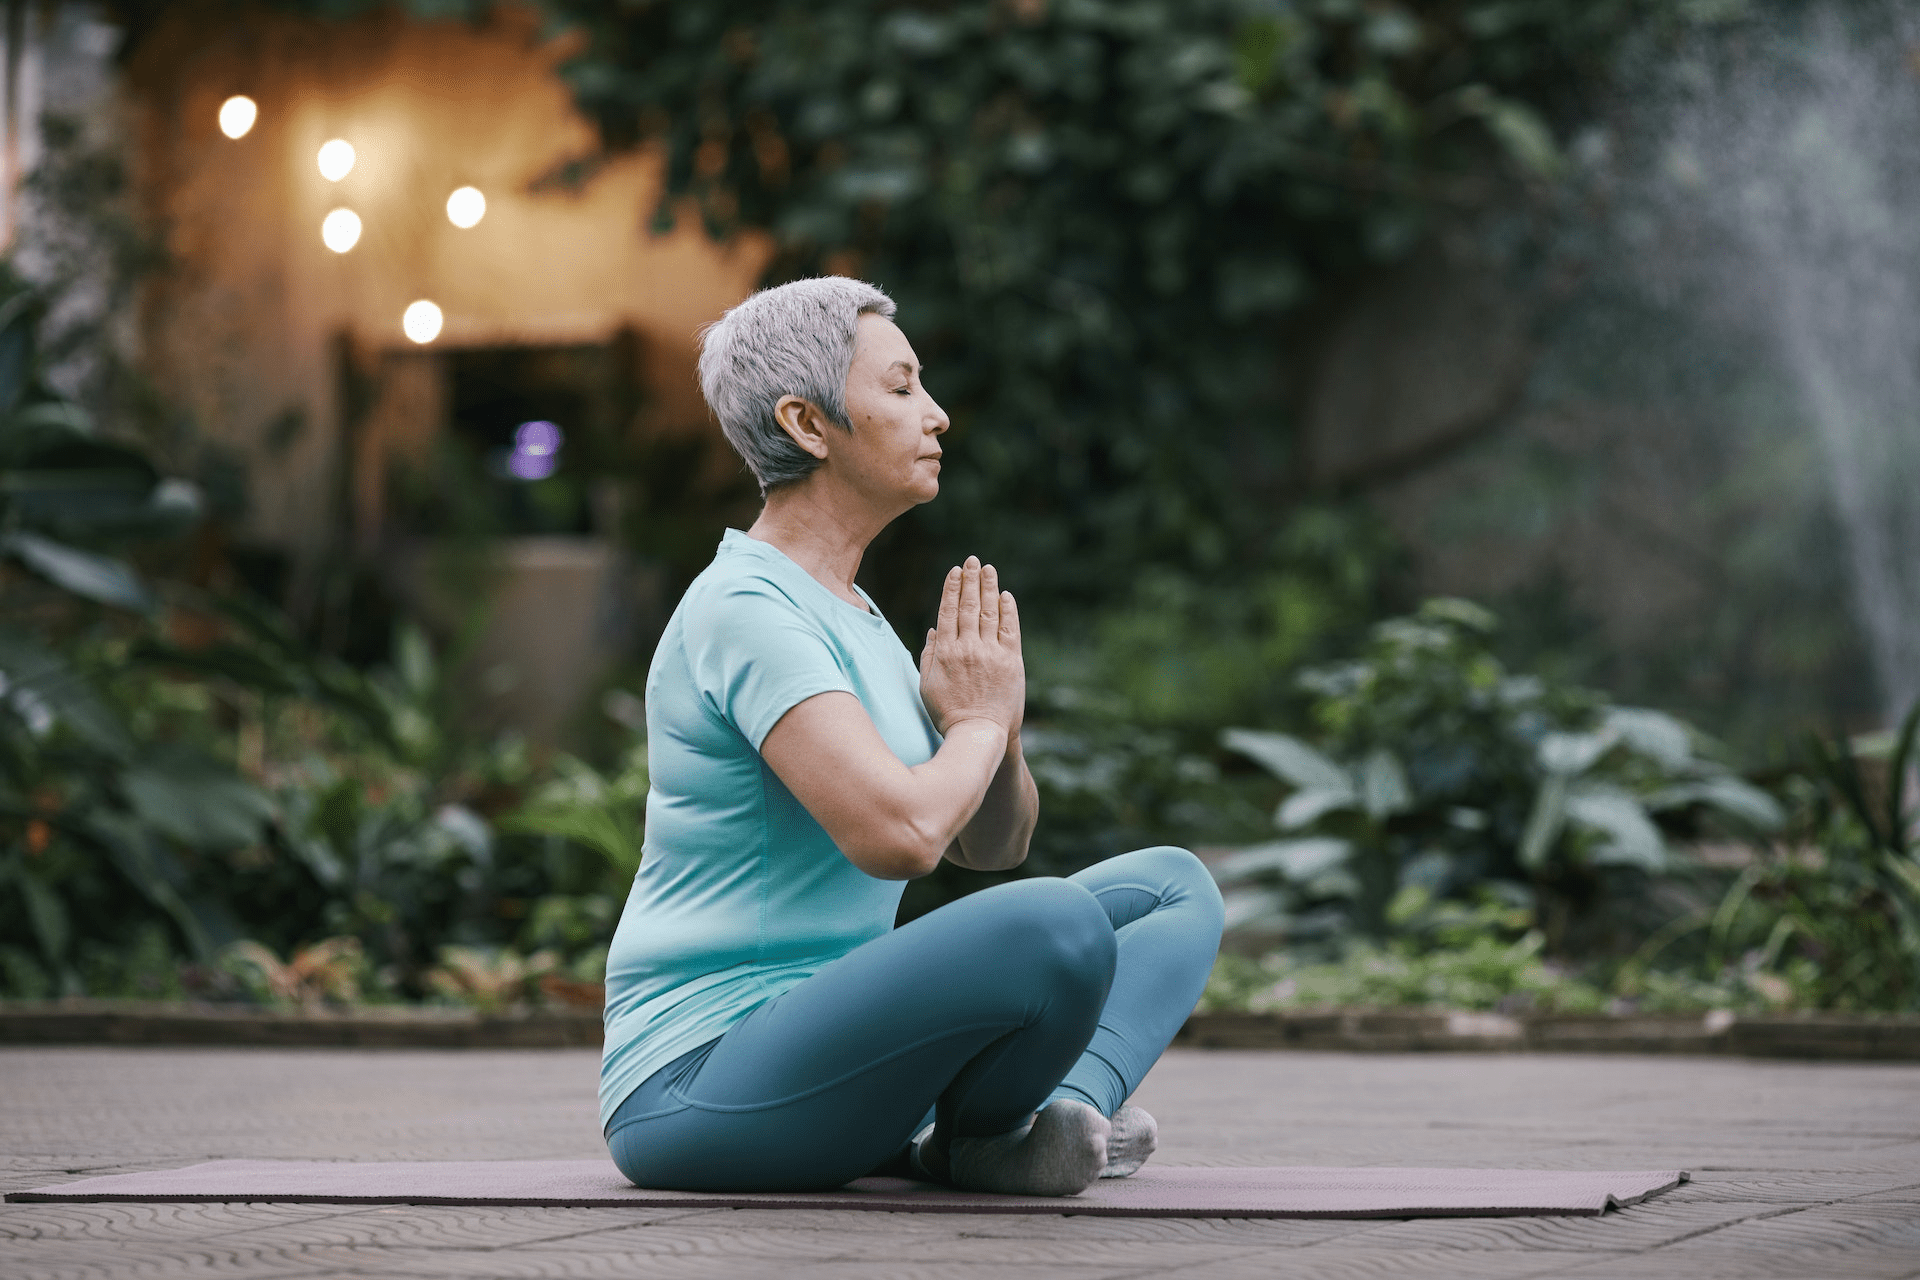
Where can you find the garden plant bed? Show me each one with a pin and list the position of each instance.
(1831, 1036)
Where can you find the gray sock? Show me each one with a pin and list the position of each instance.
(1132, 1140)
(1059, 1153)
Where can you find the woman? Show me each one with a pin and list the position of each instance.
(767, 1028)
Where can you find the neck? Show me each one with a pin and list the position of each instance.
(823, 531)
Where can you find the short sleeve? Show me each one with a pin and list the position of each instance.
(755, 656)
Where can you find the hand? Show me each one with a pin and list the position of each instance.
(971, 668)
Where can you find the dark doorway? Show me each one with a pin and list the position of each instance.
(483, 479)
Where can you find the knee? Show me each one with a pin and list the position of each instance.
(1187, 882)
(1053, 927)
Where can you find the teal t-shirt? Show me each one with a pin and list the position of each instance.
(741, 894)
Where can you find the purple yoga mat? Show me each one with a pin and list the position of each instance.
(1153, 1192)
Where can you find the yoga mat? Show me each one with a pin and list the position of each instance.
(1152, 1192)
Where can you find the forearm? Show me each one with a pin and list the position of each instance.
(997, 836)
(942, 797)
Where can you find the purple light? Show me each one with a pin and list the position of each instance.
(537, 438)
(536, 450)
(532, 466)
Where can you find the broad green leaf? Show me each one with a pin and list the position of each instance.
(1632, 839)
(413, 659)
(1288, 758)
(1245, 907)
(1303, 808)
(19, 315)
(1297, 860)
(1653, 734)
(85, 573)
(26, 664)
(1544, 822)
(1461, 613)
(1521, 133)
(1732, 796)
(145, 862)
(467, 829)
(46, 913)
(610, 833)
(1383, 785)
(191, 799)
(62, 415)
(1568, 754)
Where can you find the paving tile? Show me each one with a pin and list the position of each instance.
(1802, 1170)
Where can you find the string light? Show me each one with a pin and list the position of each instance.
(422, 321)
(237, 115)
(340, 230)
(466, 206)
(335, 159)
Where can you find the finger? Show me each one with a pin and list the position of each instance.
(926, 652)
(969, 619)
(1009, 620)
(989, 603)
(949, 614)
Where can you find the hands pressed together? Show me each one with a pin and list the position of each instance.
(971, 668)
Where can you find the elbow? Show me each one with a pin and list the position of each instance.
(904, 850)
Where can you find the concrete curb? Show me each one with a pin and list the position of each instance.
(1828, 1036)
(379, 1027)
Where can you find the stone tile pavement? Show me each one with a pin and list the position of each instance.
(1802, 1171)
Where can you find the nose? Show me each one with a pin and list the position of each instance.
(937, 420)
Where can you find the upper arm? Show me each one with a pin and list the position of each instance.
(827, 751)
(754, 656)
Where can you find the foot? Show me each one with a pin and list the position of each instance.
(1133, 1138)
(1061, 1152)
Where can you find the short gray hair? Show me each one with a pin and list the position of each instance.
(792, 340)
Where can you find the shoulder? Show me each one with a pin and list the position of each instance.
(728, 597)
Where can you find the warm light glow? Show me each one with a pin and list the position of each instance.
(237, 115)
(466, 207)
(336, 159)
(341, 230)
(422, 321)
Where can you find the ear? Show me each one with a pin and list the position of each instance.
(805, 425)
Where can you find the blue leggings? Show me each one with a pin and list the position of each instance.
(983, 1011)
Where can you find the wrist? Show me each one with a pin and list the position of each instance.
(984, 725)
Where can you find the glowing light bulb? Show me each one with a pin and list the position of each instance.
(422, 321)
(237, 115)
(336, 159)
(340, 230)
(466, 207)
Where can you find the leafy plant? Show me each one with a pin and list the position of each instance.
(68, 493)
(331, 971)
(490, 979)
(582, 805)
(1832, 911)
(1439, 769)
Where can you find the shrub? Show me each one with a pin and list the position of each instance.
(1438, 769)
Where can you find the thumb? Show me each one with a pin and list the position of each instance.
(926, 652)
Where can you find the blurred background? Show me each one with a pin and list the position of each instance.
(1460, 465)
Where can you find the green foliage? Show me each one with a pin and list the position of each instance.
(1487, 957)
(1831, 913)
(1094, 215)
(1439, 769)
(603, 814)
(67, 492)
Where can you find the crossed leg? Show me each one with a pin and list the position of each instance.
(985, 1010)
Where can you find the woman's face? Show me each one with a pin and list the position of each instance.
(893, 455)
